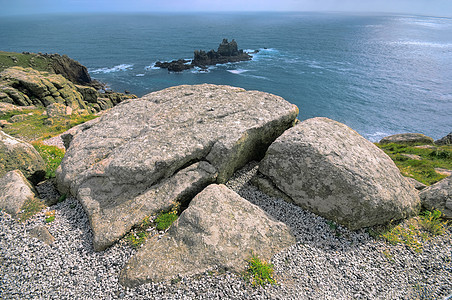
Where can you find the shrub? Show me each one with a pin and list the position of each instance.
(431, 221)
(259, 272)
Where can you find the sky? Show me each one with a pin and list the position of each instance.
(418, 7)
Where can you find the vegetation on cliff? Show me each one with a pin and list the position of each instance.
(426, 164)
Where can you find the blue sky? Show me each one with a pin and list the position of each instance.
(422, 7)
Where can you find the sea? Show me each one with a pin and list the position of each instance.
(379, 74)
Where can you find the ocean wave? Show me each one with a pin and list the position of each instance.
(263, 53)
(424, 44)
(117, 68)
(151, 67)
(139, 75)
(238, 71)
(376, 136)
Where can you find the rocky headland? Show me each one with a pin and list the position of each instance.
(227, 52)
(41, 80)
(244, 178)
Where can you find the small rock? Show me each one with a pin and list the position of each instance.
(447, 140)
(439, 196)
(407, 138)
(42, 233)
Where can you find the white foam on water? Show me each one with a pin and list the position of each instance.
(238, 71)
(139, 75)
(424, 44)
(117, 68)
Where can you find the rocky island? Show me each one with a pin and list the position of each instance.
(227, 52)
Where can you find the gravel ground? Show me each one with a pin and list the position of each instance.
(326, 262)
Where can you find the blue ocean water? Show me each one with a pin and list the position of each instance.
(380, 75)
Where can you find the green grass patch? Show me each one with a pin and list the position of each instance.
(52, 156)
(431, 221)
(30, 208)
(37, 62)
(422, 170)
(34, 127)
(164, 220)
(259, 272)
(139, 234)
(414, 232)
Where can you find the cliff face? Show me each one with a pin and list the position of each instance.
(44, 79)
(53, 63)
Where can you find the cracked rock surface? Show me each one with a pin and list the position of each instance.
(141, 144)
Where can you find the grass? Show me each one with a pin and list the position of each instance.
(431, 221)
(10, 59)
(52, 156)
(30, 208)
(49, 216)
(259, 272)
(414, 232)
(165, 219)
(139, 234)
(422, 170)
(34, 127)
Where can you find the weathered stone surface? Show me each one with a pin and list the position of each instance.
(219, 228)
(439, 196)
(407, 138)
(42, 233)
(417, 185)
(16, 154)
(140, 143)
(329, 169)
(447, 140)
(24, 84)
(6, 108)
(15, 190)
(57, 110)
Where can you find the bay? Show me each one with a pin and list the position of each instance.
(378, 74)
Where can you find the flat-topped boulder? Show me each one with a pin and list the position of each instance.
(407, 138)
(117, 166)
(219, 229)
(329, 169)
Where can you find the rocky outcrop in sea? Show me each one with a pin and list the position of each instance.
(227, 52)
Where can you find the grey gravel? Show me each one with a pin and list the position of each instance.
(328, 262)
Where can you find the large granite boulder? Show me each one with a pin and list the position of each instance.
(407, 138)
(329, 169)
(219, 228)
(439, 196)
(206, 130)
(16, 154)
(15, 190)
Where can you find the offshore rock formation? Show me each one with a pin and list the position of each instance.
(329, 169)
(227, 52)
(219, 229)
(145, 154)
